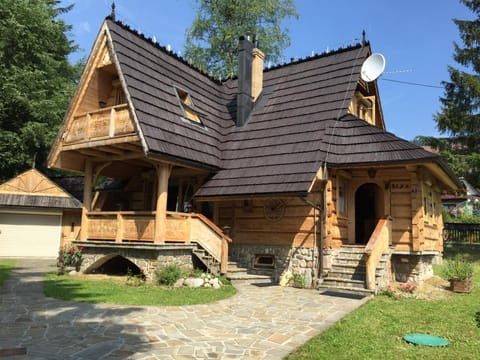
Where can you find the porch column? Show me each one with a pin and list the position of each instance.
(87, 198)
(417, 211)
(163, 173)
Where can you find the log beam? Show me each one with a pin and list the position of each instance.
(87, 198)
(163, 174)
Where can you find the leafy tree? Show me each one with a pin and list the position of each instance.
(36, 80)
(212, 40)
(459, 117)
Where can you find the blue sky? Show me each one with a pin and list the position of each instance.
(416, 38)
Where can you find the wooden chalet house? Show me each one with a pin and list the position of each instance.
(282, 170)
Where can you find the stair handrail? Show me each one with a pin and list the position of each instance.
(224, 239)
(377, 245)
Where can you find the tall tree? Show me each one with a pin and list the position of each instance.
(36, 80)
(459, 117)
(212, 40)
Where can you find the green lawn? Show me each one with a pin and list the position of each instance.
(78, 288)
(375, 330)
(6, 267)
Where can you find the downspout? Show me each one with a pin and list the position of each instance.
(319, 264)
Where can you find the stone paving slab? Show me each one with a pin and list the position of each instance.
(259, 322)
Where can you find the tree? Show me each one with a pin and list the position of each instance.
(212, 40)
(36, 80)
(459, 117)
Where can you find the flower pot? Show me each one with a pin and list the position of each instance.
(461, 286)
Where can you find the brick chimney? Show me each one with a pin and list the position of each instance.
(250, 78)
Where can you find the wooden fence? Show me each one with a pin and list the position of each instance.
(461, 233)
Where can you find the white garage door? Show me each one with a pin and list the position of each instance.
(29, 235)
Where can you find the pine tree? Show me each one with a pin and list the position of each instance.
(459, 117)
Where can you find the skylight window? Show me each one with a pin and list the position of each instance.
(187, 106)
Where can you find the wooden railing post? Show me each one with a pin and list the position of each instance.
(119, 235)
(377, 246)
(224, 262)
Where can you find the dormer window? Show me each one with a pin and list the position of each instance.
(187, 106)
(363, 107)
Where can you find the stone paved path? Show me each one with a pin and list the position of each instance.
(259, 322)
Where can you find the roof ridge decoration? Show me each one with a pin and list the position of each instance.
(221, 81)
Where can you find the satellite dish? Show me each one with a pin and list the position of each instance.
(373, 67)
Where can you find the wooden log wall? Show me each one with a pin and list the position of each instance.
(249, 224)
(71, 221)
(405, 190)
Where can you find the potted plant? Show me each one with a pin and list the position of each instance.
(459, 272)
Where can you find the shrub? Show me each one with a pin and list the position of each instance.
(457, 269)
(298, 280)
(169, 274)
(71, 255)
(136, 279)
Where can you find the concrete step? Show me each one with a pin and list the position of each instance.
(345, 290)
(330, 281)
(251, 278)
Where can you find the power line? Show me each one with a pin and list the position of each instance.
(414, 84)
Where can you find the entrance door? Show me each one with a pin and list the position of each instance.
(368, 210)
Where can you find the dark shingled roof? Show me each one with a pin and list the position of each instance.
(32, 201)
(71, 184)
(298, 120)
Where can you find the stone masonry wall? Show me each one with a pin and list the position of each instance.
(301, 260)
(147, 259)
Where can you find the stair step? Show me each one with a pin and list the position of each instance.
(344, 283)
(346, 290)
(249, 278)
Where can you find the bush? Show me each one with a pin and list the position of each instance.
(169, 274)
(457, 269)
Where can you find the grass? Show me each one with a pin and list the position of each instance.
(376, 330)
(112, 291)
(6, 266)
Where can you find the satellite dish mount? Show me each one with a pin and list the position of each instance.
(373, 67)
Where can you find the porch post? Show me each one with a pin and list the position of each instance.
(163, 173)
(87, 198)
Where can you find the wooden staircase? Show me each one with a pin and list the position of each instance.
(212, 265)
(348, 272)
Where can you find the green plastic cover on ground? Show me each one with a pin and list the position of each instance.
(425, 339)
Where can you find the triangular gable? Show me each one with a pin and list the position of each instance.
(99, 110)
(32, 183)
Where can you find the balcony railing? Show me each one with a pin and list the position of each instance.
(139, 227)
(102, 123)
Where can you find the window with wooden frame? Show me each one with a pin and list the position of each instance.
(187, 106)
(341, 196)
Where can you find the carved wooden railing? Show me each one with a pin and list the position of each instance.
(377, 245)
(139, 226)
(102, 123)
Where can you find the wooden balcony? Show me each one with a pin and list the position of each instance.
(139, 227)
(105, 123)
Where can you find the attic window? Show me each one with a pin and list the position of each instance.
(363, 107)
(187, 106)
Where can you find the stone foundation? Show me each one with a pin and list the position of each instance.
(301, 260)
(414, 266)
(147, 257)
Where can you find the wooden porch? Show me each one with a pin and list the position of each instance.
(138, 227)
